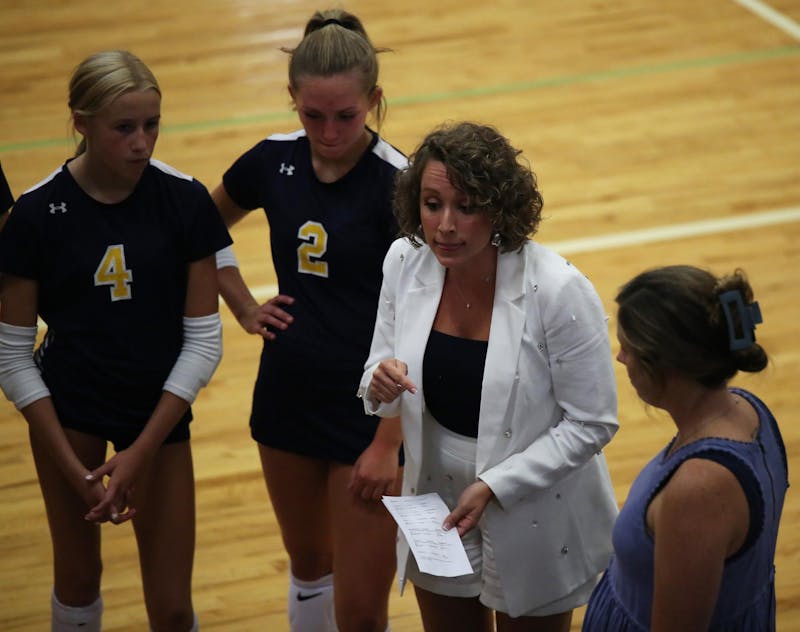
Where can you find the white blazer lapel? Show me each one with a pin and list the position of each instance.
(502, 355)
(419, 305)
(421, 301)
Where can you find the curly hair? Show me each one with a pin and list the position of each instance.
(482, 164)
(671, 319)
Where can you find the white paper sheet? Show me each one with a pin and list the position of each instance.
(420, 518)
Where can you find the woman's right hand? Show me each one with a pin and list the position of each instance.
(389, 380)
(259, 319)
(94, 492)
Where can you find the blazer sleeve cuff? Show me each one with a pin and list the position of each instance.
(373, 406)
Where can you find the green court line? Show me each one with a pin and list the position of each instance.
(480, 91)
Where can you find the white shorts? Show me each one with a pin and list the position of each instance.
(450, 460)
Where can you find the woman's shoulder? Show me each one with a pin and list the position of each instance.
(404, 257)
(45, 183)
(278, 142)
(169, 172)
(709, 468)
(280, 137)
(48, 196)
(388, 153)
(553, 273)
(703, 487)
(547, 261)
(177, 180)
(403, 251)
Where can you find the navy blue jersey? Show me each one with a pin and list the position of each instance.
(6, 199)
(112, 285)
(328, 242)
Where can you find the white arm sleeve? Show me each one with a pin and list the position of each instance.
(226, 258)
(199, 357)
(20, 378)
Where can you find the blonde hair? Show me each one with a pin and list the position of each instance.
(335, 41)
(101, 78)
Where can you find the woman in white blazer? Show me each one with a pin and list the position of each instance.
(494, 351)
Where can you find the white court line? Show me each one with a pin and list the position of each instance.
(763, 10)
(675, 231)
(644, 236)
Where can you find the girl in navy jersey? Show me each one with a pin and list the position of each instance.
(326, 191)
(115, 252)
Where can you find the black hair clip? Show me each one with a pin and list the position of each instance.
(742, 319)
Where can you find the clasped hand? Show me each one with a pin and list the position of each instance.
(114, 499)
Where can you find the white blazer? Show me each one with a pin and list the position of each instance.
(548, 406)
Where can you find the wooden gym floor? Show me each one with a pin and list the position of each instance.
(661, 132)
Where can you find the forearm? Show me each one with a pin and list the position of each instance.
(44, 426)
(167, 413)
(234, 291)
(551, 457)
(389, 434)
(232, 288)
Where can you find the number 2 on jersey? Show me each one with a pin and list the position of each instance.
(315, 244)
(112, 271)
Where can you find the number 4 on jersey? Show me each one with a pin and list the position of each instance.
(112, 271)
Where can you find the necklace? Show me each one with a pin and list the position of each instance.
(680, 441)
(468, 304)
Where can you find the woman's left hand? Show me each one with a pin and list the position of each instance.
(470, 508)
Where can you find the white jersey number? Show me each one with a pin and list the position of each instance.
(113, 272)
(314, 246)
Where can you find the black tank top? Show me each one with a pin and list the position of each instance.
(452, 373)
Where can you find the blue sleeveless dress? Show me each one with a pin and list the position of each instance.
(623, 599)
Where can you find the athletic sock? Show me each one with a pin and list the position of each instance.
(71, 618)
(311, 605)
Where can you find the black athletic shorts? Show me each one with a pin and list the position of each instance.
(307, 411)
(122, 435)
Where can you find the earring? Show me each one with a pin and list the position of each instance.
(496, 239)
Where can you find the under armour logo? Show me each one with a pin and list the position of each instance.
(58, 207)
(287, 169)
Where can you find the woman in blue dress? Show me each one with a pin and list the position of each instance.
(694, 544)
